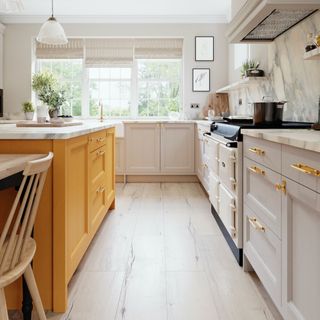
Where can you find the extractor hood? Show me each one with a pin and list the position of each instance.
(265, 20)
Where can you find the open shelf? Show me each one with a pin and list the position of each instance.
(313, 54)
(241, 84)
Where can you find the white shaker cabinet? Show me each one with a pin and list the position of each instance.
(177, 148)
(301, 252)
(142, 148)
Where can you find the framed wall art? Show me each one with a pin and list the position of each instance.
(204, 48)
(201, 80)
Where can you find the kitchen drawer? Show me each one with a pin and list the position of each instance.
(302, 166)
(97, 139)
(264, 152)
(261, 195)
(263, 250)
(98, 164)
(214, 191)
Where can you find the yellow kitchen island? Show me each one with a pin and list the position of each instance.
(79, 191)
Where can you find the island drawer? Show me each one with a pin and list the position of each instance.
(97, 139)
(264, 152)
(302, 166)
(98, 164)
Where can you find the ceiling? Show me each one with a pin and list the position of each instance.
(159, 9)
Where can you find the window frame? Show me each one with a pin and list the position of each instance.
(134, 112)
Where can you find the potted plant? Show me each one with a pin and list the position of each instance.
(250, 69)
(49, 92)
(28, 110)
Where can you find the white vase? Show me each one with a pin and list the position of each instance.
(29, 115)
(42, 113)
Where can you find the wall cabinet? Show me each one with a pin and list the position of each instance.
(155, 148)
(282, 225)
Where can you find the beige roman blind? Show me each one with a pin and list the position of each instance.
(72, 50)
(108, 51)
(158, 48)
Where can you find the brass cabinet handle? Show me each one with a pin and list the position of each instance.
(100, 153)
(101, 139)
(281, 186)
(257, 170)
(256, 224)
(306, 169)
(257, 151)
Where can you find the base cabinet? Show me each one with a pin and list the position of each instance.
(155, 149)
(301, 252)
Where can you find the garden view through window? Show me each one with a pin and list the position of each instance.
(147, 88)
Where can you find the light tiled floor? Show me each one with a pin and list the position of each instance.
(160, 255)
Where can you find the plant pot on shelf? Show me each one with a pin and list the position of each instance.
(29, 115)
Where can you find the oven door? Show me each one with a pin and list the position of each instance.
(214, 191)
(227, 166)
(228, 210)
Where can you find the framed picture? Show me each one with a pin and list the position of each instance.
(204, 48)
(201, 80)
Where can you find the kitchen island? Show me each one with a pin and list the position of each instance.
(79, 191)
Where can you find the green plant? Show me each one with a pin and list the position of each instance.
(248, 64)
(27, 107)
(48, 90)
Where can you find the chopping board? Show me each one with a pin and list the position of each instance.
(35, 124)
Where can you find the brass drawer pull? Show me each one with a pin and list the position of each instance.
(281, 187)
(256, 224)
(257, 151)
(306, 169)
(101, 139)
(100, 153)
(257, 170)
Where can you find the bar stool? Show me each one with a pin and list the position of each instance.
(17, 247)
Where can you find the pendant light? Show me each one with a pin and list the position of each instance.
(51, 32)
(9, 6)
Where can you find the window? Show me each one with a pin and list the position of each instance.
(111, 86)
(69, 74)
(241, 54)
(131, 77)
(158, 87)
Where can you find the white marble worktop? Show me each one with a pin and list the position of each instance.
(300, 138)
(11, 132)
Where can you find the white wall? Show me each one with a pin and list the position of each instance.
(18, 49)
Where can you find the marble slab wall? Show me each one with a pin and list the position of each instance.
(290, 77)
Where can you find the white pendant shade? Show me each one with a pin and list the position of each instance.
(9, 6)
(51, 32)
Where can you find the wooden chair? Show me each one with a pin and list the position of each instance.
(17, 247)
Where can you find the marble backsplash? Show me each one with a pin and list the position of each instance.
(290, 78)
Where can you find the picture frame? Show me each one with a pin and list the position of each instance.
(201, 79)
(204, 48)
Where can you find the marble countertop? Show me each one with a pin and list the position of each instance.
(300, 138)
(11, 132)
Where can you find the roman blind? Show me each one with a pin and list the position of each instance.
(159, 48)
(108, 51)
(72, 50)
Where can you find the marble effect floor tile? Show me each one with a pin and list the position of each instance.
(160, 255)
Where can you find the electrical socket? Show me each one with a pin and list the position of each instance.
(194, 106)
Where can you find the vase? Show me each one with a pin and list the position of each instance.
(29, 115)
(42, 112)
(53, 113)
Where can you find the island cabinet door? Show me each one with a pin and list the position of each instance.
(301, 252)
(77, 226)
(110, 165)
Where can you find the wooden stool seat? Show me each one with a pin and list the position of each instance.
(11, 275)
(17, 248)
